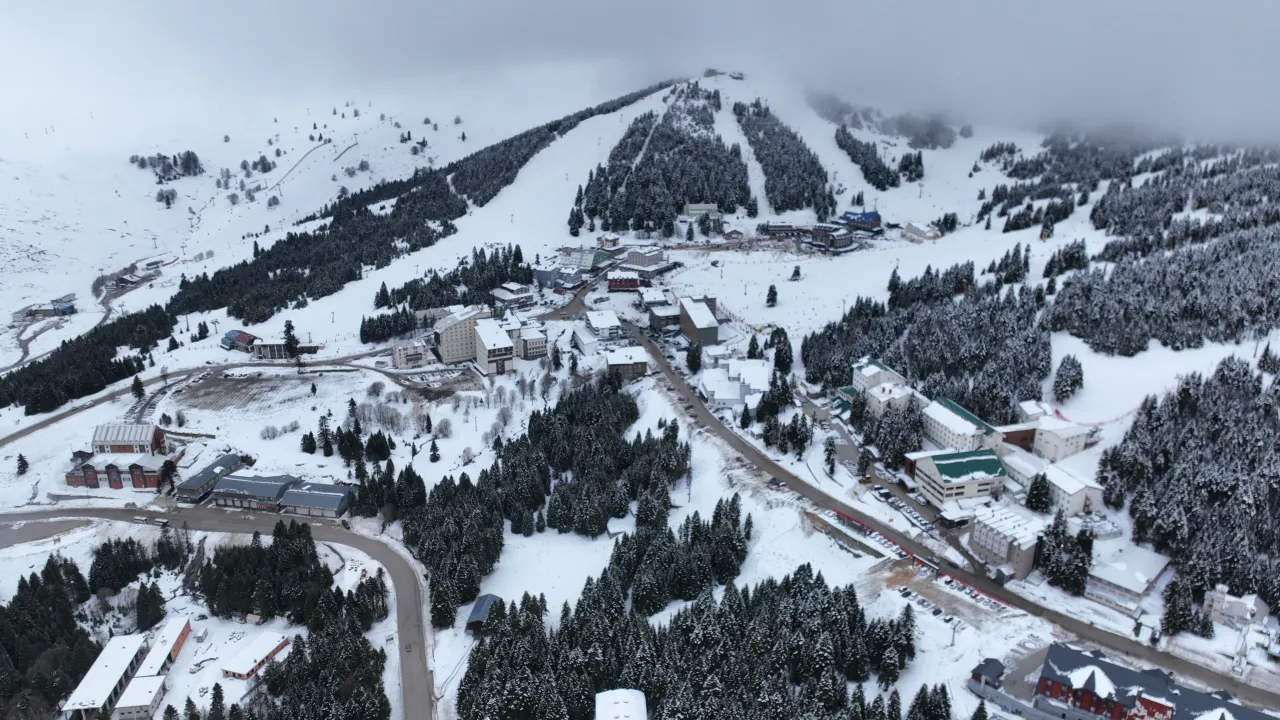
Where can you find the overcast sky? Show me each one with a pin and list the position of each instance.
(1194, 67)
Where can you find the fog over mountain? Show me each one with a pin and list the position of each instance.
(1195, 68)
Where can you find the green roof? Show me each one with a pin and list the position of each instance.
(868, 362)
(847, 391)
(951, 405)
(971, 465)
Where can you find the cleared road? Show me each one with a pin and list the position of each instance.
(1245, 692)
(417, 686)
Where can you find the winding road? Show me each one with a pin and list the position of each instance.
(977, 580)
(417, 686)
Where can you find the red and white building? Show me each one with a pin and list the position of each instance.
(623, 281)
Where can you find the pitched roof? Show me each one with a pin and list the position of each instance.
(316, 495)
(141, 691)
(970, 465)
(990, 668)
(492, 334)
(480, 611)
(699, 314)
(113, 662)
(215, 469)
(253, 652)
(272, 486)
(954, 407)
(162, 642)
(123, 434)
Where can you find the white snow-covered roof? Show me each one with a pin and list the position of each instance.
(664, 311)
(652, 296)
(627, 356)
(492, 334)
(699, 314)
(457, 316)
(1020, 462)
(621, 705)
(928, 453)
(162, 642)
(754, 373)
(1061, 428)
(253, 653)
(532, 333)
(1102, 685)
(141, 691)
(191, 454)
(1068, 483)
(622, 275)
(113, 662)
(1127, 566)
(123, 434)
(1033, 409)
(600, 319)
(1012, 522)
(950, 420)
(717, 386)
(869, 366)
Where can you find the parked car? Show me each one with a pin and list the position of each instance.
(346, 524)
(937, 612)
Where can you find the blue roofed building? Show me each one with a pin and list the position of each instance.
(238, 340)
(868, 221)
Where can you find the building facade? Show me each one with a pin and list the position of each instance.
(126, 438)
(456, 334)
(255, 656)
(513, 295)
(1071, 494)
(605, 324)
(238, 340)
(948, 425)
(253, 493)
(698, 321)
(494, 351)
(104, 683)
(141, 698)
(316, 500)
(139, 471)
(532, 343)
(1006, 537)
(1057, 439)
(629, 362)
(411, 354)
(1237, 612)
(953, 476)
(197, 487)
(623, 281)
(869, 372)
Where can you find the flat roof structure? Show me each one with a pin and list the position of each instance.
(142, 690)
(599, 319)
(621, 705)
(215, 470)
(162, 642)
(627, 356)
(272, 486)
(492, 334)
(1130, 567)
(1012, 522)
(95, 689)
(699, 314)
(254, 654)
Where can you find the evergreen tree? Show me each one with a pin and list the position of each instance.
(829, 454)
(753, 348)
(1039, 496)
(217, 704)
(291, 340)
(556, 360)
(23, 465)
(744, 421)
(309, 443)
(981, 712)
(1069, 379)
(170, 713)
(693, 357)
(1269, 362)
(434, 455)
(771, 297)
(573, 364)
(137, 390)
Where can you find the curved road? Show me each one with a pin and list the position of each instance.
(417, 686)
(976, 580)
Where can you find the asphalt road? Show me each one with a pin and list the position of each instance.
(976, 580)
(417, 685)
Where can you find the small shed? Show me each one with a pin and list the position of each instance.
(480, 613)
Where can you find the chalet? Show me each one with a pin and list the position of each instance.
(238, 340)
(513, 295)
(623, 281)
(734, 236)
(128, 438)
(989, 673)
(1080, 685)
(608, 241)
(867, 221)
(140, 471)
(480, 613)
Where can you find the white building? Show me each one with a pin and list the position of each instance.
(101, 687)
(495, 353)
(869, 372)
(1238, 612)
(621, 705)
(605, 324)
(884, 396)
(411, 354)
(645, 257)
(254, 655)
(1029, 410)
(141, 699)
(584, 340)
(948, 425)
(953, 476)
(1057, 439)
(532, 343)
(456, 334)
(1006, 537)
(653, 297)
(716, 356)
(166, 643)
(738, 382)
(1073, 495)
(513, 294)
(1122, 574)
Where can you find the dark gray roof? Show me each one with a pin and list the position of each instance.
(480, 611)
(1063, 661)
(267, 487)
(215, 469)
(317, 495)
(990, 668)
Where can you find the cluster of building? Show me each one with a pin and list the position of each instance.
(136, 453)
(249, 343)
(847, 233)
(972, 462)
(470, 333)
(58, 307)
(128, 680)
(628, 266)
(1084, 685)
(694, 316)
